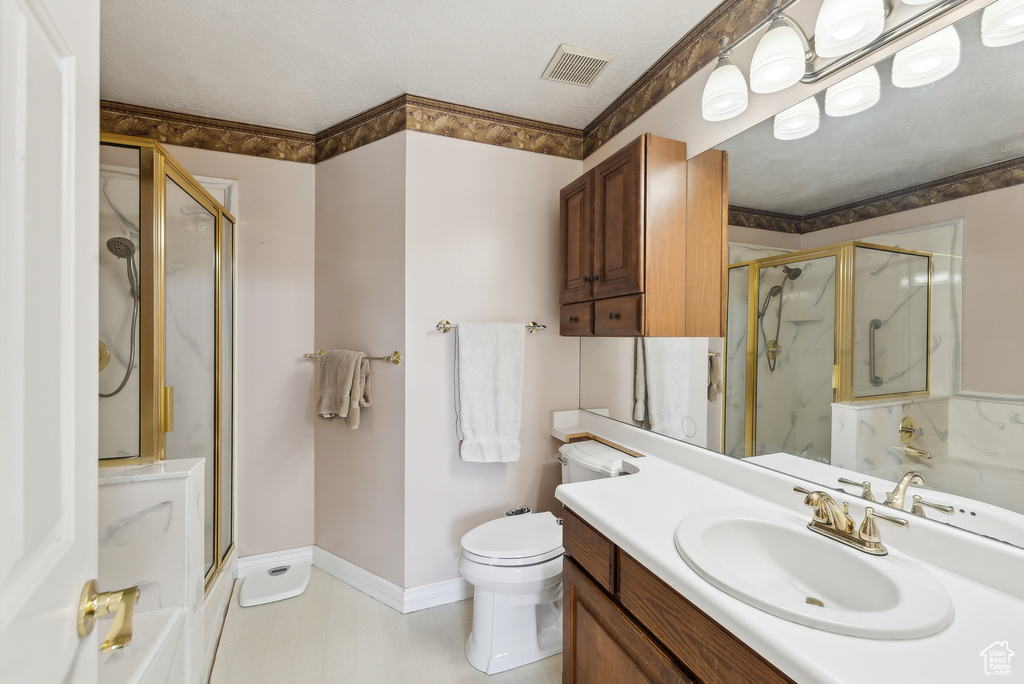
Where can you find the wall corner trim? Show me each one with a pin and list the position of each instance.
(390, 594)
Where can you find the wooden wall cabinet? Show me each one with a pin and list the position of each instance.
(622, 624)
(643, 244)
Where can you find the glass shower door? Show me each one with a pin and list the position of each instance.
(190, 300)
(796, 343)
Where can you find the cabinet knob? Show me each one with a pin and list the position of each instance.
(573, 319)
(613, 316)
(586, 279)
(594, 278)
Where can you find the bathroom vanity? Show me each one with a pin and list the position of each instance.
(635, 610)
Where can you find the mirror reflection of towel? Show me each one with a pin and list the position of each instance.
(714, 377)
(344, 386)
(664, 397)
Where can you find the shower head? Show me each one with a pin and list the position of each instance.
(792, 273)
(122, 248)
(774, 292)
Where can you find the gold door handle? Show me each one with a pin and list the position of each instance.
(167, 416)
(95, 605)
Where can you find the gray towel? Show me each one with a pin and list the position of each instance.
(714, 377)
(344, 386)
(489, 390)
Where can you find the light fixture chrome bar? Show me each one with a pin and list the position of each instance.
(900, 21)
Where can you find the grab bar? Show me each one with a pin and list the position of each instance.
(874, 325)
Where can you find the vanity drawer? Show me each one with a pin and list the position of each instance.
(706, 648)
(590, 549)
(619, 316)
(576, 320)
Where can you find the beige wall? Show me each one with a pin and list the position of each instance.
(274, 445)
(360, 305)
(481, 245)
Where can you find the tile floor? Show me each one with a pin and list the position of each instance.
(334, 633)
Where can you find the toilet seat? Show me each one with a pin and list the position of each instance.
(515, 540)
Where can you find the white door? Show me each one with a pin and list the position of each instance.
(49, 165)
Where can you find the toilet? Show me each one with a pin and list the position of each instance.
(515, 566)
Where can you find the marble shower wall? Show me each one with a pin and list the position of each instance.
(794, 400)
(118, 415)
(891, 292)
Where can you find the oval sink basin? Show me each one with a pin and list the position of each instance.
(770, 560)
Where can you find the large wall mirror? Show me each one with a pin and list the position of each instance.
(936, 169)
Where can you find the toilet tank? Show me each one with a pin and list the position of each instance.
(590, 460)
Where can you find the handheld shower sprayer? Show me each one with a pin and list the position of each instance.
(123, 248)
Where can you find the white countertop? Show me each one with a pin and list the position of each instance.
(640, 513)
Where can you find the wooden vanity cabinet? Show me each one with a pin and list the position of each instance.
(643, 244)
(623, 624)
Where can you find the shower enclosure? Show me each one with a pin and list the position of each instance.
(166, 324)
(848, 322)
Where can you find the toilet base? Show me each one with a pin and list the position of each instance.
(512, 630)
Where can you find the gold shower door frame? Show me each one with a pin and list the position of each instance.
(156, 410)
(845, 254)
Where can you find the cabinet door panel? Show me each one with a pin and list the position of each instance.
(604, 645)
(576, 227)
(618, 223)
(705, 647)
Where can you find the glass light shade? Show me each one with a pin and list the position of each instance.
(917, 2)
(846, 25)
(854, 94)
(779, 59)
(798, 121)
(725, 93)
(927, 60)
(1002, 23)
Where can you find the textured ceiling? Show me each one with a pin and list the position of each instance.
(972, 118)
(306, 65)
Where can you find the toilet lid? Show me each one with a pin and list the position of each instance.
(515, 536)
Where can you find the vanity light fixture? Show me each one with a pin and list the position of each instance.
(854, 94)
(780, 58)
(917, 2)
(1002, 23)
(927, 60)
(725, 93)
(798, 121)
(847, 25)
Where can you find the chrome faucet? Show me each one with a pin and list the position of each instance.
(896, 497)
(834, 522)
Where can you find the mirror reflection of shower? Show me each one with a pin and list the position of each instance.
(772, 346)
(124, 248)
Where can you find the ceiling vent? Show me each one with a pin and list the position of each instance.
(576, 65)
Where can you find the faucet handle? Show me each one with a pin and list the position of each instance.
(920, 504)
(865, 486)
(869, 531)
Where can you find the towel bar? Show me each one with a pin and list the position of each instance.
(531, 327)
(395, 357)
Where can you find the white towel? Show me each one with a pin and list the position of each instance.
(344, 386)
(489, 389)
(663, 365)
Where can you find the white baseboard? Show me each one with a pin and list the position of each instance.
(265, 561)
(389, 593)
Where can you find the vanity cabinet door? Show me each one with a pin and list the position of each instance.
(619, 222)
(704, 646)
(575, 216)
(603, 645)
